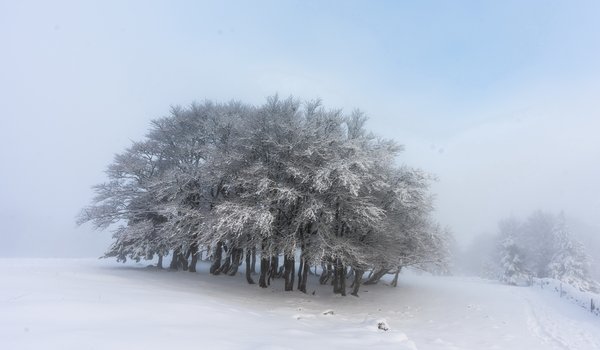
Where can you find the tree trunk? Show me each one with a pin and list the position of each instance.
(339, 278)
(183, 262)
(343, 281)
(357, 280)
(335, 281)
(236, 256)
(274, 271)
(264, 271)
(249, 267)
(304, 277)
(160, 261)
(376, 276)
(300, 268)
(395, 281)
(216, 265)
(253, 261)
(174, 260)
(303, 269)
(194, 254)
(226, 264)
(289, 271)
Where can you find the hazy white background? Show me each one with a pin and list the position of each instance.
(500, 99)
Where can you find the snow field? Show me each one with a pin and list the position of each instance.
(568, 292)
(98, 304)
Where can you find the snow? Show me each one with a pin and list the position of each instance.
(569, 292)
(99, 304)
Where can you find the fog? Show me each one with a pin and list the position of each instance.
(499, 101)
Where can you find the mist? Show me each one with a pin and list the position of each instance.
(498, 101)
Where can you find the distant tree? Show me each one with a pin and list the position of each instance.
(541, 247)
(511, 260)
(537, 239)
(569, 262)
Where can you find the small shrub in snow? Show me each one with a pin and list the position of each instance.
(382, 324)
(376, 324)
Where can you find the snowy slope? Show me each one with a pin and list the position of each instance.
(95, 304)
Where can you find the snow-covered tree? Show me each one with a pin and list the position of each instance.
(277, 179)
(511, 260)
(569, 262)
(542, 247)
(128, 200)
(537, 239)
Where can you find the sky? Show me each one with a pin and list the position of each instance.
(499, 100)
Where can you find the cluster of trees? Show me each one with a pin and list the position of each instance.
(542, 246)
(287, 181)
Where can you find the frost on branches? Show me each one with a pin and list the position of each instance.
(291, 185)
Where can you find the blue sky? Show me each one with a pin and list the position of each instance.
(498, 99)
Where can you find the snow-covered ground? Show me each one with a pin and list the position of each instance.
(98, 304)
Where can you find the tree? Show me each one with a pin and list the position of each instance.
(128, 197)
(569, 262)
(538, 240)
(511, 260)
(543, 247)
(286, 179)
